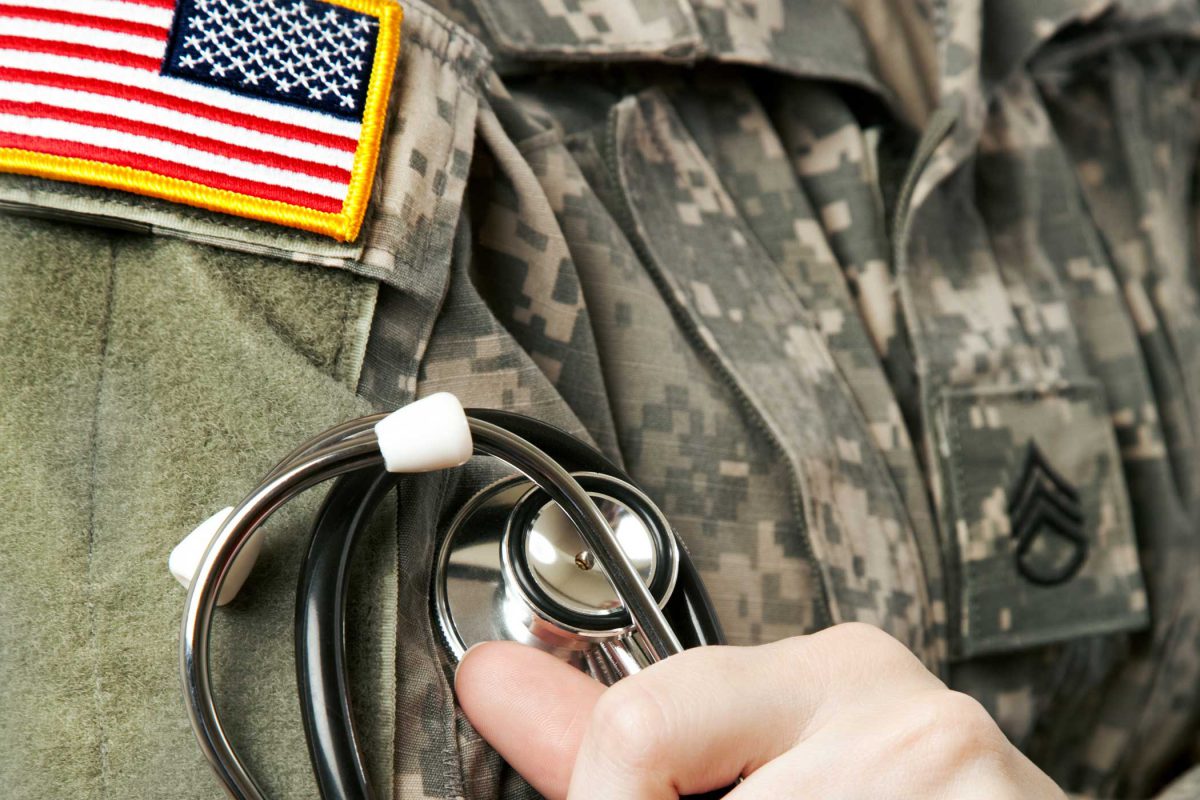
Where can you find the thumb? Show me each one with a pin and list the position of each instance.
(531, 707)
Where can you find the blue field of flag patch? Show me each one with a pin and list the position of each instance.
(300, 52)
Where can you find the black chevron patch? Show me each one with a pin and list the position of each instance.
(1043, 503)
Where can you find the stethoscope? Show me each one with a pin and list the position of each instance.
(567, 555)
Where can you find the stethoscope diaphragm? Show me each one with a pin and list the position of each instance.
(512, 566)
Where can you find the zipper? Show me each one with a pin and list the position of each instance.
(626, 221)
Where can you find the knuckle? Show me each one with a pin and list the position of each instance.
(868, 642)
(629, 725)
(962, 712)
(953, 730)
(792, 648)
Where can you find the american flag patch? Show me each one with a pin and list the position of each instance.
(268, 109)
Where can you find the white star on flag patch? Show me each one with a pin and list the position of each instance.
(267, 109)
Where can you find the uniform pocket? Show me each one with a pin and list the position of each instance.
(1040, 540)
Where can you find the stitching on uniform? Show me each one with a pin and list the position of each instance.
(798, 473)
(951, 396)
(873, 454)
(422, 15)
(440, 199)
(61, 189)
(441, 52)
(500, 31)
(802, 470)
(601, 49)
(956, 478)
(93, 470)
(336, 364)
(451, 757)
(873, 458)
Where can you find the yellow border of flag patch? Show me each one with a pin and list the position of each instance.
(342, 226)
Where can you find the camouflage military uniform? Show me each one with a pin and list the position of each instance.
(833, 279)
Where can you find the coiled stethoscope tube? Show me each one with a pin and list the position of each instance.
(350, 448)
(321, 600)
(321, 674)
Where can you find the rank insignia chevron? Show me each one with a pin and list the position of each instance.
(1043, 504)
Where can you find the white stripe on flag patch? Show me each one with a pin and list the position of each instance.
(154, 148)
(154, 115)
(143, 79)
(109, 9)
(71, 34)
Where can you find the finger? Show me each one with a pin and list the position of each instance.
(698, 720)
(530, 706)
(836, 763)
(932, 743)
(691, 724)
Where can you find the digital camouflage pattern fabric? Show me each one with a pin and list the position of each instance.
(892, 307)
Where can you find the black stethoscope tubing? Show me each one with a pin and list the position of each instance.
(321, 672)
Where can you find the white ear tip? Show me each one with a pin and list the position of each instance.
(186, 557)
(430, 434)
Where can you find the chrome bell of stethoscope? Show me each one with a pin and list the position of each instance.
(513, 566)
(567, 555)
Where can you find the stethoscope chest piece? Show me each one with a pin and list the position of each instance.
(513, 567)
(566, 555)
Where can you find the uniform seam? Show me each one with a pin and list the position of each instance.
(439, 202)
(597, 49)
(245, 233)
(93, 622)
(512, 45)
(335, 363)
(957, 563)
(452, 762)
(809, 318)
(828, 603)
(874, 457)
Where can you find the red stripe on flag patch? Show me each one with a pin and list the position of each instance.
(84, 21)
(170, 169)
(151, 97)
(195, 142)
(83, 51)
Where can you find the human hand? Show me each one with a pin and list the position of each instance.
(845, 713)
